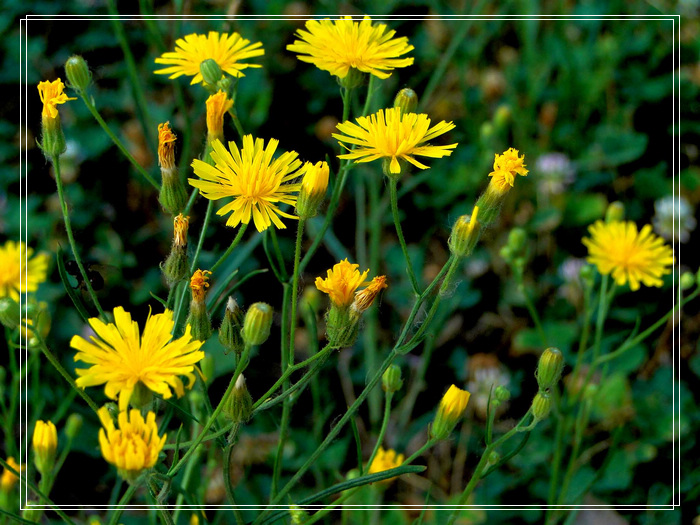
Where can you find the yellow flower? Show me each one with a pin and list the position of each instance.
(254, 179)
(166, 146)
(337, 46)
(199, 284)
(452, 406)
(385, 460)
(226, 50)
(51, 94)
(13, 279)
(315, 181)
(365, 298)
(217, 106)
(44, 442)
(341, 283)
(8, 480)
(505, 168)
(134, 446)
(121, 359)
(394, 135)
(629, 255)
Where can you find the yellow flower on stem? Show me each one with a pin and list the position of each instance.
(393, 135)
(617, 248)
(313, 188)
(166, 146)
(217, 106)
(15, 277)
(385, 460)
(226, 50)
(132, 447)
(44, 443)
(505, 168)
(254, 179)
(452, 406)
(337, 46)
(365, 298)
(341, 283)
(123, 360)
(51, 94)
(8, 479)
(199, 284)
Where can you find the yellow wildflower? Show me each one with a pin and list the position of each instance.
(8, 480)
(51, 94)
(217, 106)
(44, 443)
(15, 278)
(452, 406)
(505, 168)
(199, 284)
(385, 460)
(631, 256)
(166, 146)
(342, 282)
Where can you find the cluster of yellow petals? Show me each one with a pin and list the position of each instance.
(166, 146)
(217, 106)
(51, 94)
(385, 460)
(45, 438)
(453, 403)
(180, 226)
(505, 168)
(8, 479)
(315, 178)
(199, 284)
(13, 279)
(632, 257)
(341, 283)
(365, 298)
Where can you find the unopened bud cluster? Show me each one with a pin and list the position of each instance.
(548, 373)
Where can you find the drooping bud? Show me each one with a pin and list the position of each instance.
(615, 212)
(44, 443)
(313, 189)
(78, 73)
(173, 195)
(391, 379)
(451, 409)
(465, 234)
(549, 368)
(230, 329)
(541, 405)
(257, 324)
(198, 317)
(211, 71)
(240, 403)
(176, 265)
(406, 100)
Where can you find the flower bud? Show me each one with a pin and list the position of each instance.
(257, 324)
(9, 312)
(198, 318)
(500, 395)
(239, 404)
(549, 368)
(502, 116)
(406, 100)
(44, 443)
(230, 329)
(8, 479)
(364, 298)
(687, 281)
(313, 189)
(451, 409)
(391, 380)
(494, 458)
(587, 275)
(465, 234)
(217, 106)
(211, 71)
(541, 405)
(173, 195)
(298, 515)
(78, 73)
(354, 78)
(74, 423)
(208, 366)
(176, 265)
(615, 212)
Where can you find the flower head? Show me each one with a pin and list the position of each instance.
(166, 146)
(342, 282)
(44, 442)
(199, 284)
(337, 46)
(506, 167)
(121, 359)
(452, 406)
(8, 479)
(13, 279)
(254, 179)
(629, 255)
(180, 227)
(226, 50)
(385, 460)
(132, 447)
(217, 106)
(51, 94)
(393, 135)
(365, 298)
(313, 188)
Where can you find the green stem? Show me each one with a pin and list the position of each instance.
(420, 451)
(579, 427)
(236, 122)
(239, 236)
(69, 231)
(382, 430)
(228, 452)
(295, 290)
(399, 232)
(117, 512)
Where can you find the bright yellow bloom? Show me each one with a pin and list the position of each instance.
(121, 359)
(226, 50)
(180, 227)
(629, 255)
(134, 446)
(342, 282)
(365, 298)
(217, 106)
(8, 480)
(506, 167)
(254, 179)
(385, 460)
(51, 94)
(166, 146)
(13, 279)
(394, 135)
(338, 45)
(199, 284)
(315, 181)
(452, 407)
(44, 442)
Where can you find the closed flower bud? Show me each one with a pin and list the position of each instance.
(8, 479)
(230, 329)
(176, 265)
(207, 365)
(198, 317)
(615, 212)
(78, 73)
(451, 409)
(354, 78)
(257, 324)
(211, 71)
(391, 380)
(406, 100)
(44, 443)
(313, 189)
(549, 368)
(541, 405)
(217, 106)
(239, 404)
(73, 425)
(9, 313)
(502, 116)
(687, 281)
(494, 458)
(465, 234)
(500, 395)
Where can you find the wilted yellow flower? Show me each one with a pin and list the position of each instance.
(217, 106)
(392, 135)
(134, 446)
(44, 442)
(385, 460)
(506, 167)
(180, 227)
(13, 282)
(254, 179)
(342, 282)
(8, 480)
(452, 406)
(51, 94)
(365, 298)
(166, 146)
(121, 359)
(631, 256)
(226, 50)
(337, 46)
(199, 284)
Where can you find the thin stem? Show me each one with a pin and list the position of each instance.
(295, 290)
(117, 512)
(236, 122)
(399, 232)
(236, 241)
(69, 231)
(382, 430)
(420, 451)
